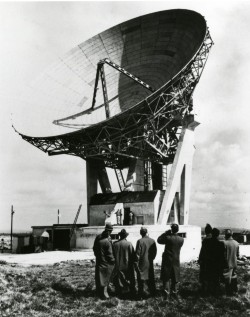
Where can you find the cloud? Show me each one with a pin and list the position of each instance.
(221, 179)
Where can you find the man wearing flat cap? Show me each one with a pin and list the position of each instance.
(231, 254)
(170, 267)
(123, 275)
(145, 254)
(105, 261)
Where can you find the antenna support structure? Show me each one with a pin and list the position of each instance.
(148, 68)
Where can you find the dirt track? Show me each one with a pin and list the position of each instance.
(46, 258)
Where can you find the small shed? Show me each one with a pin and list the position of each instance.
(59, 236)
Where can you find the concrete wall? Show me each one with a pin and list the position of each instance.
(14, 244)
(190, 251)
(96, 214)
(139, 176)
(38, 232)
(145, 209)
(18, 242)
(157, 204)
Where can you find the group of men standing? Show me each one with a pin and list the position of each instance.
(218, 261)
(119, 261)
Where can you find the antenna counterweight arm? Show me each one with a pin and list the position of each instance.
(100, 73)
(123, 71)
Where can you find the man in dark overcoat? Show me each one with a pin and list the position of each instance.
(215, 263)
(123, 275)
(170, 268)
(204, 259)
(144, 257)
(103, 251)
(231, 253)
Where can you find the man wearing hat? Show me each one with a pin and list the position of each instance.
(123, 275)
(205, 258)
(170, 267)
(145, 254)
(105, 261)
(216, 262)
(231, 255)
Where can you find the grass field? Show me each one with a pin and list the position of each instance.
(68, 289)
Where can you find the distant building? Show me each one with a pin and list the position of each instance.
(60, 237)
(20, 241)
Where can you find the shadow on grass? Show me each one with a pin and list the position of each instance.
(187, 293)
(69, 290)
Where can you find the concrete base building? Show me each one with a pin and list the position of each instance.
(191, 234)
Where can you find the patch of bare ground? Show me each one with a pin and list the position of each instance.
(68, 289)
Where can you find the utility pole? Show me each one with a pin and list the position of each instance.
(11, 226)
(58, 216)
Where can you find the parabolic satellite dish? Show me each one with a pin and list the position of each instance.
(123, 93)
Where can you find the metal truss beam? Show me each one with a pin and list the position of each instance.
(126, 73)
(148, 131)
(100, 73)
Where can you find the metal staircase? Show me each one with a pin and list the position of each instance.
(164, 177)
(120, 179)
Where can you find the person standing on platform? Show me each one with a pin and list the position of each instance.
(103, 251)
(119, 217)
(231, 254)
(170, 268)
(204, 259)
(131, 218)
(144, 257)
(123, 275)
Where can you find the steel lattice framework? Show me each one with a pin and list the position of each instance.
(147, 131)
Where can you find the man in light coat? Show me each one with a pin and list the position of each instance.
(145, 254)
(170, 268)
(123, 275)
(231, 255)
(103, 251)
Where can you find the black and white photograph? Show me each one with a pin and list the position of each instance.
(124, 162)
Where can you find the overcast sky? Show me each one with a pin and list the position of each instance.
(34, 34)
